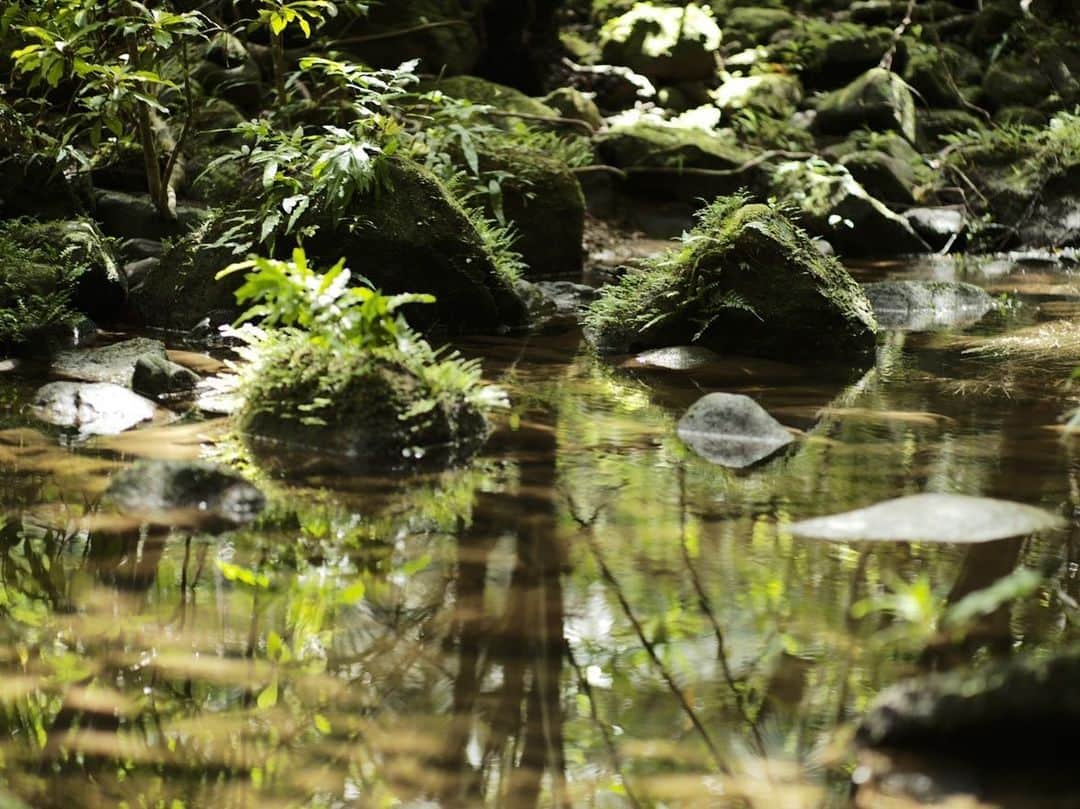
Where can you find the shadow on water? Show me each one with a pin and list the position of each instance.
(588, 615)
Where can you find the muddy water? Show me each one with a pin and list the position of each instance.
(589, 615)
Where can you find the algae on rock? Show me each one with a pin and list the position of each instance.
(745, 281)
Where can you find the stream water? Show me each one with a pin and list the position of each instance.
(588, 615)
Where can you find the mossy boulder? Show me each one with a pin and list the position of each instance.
(754, 25)
(944, 77)
(412, 236)
(52, 275)
(669, 43)
(499, 96)
(831, 54)
(452, 48)
(833, 206)
(372, 409)
(574, 105)
(889, 179)
(877, 100)
(1015, 81)
(663, 144)
(771, 93)
(934, 125)
(543, 201)
(746, 281)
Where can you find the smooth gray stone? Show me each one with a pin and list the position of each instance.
(112, 363)
(927, 305)
(678, 358)
(93, 408)
(951, 518)
(732, 430)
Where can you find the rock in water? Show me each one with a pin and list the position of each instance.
(215, 493)
(95, 408)
(158, 377)
(927, 305)
(745, 281)
(1007, 707)
(931, 518)
(113, 363)
(678, 358)
(732, 430)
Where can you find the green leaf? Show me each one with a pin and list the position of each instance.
(268, 697)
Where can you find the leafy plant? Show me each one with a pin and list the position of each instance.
(117, 61)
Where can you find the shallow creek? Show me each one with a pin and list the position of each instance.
(588, 615)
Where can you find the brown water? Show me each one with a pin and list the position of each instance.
(589, 615)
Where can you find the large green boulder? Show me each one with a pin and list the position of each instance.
(878, 100)
(754, 25)
(745, 281)
(498, 96)
(676, 43)
(412, 236)
(942, 77)
(663, 144)
(833, 206)
(831, 54)
(774, 94)
(378, 408)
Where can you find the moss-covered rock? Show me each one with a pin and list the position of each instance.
(1014, 81)
(661, 144)
(372, 408)
(53, 274)
(934, 125)
(542, 200)
(412, 236)
(755, 25)
(671, 43)
(771, 93)
(877, 100)
(831, 54)
(453, 47)
(499, 96)
(833, 206)
(745, 281)
(574, 105)
(943, 77)
(884, 177)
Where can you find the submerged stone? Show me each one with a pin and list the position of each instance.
(927, 305)
(949, 518)
(92, 408)
(678, 358)
(732, 430)
(745, 281)
(112, 363)
(214, 492)
(1007, 707)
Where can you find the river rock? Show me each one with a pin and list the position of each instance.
(835, 207)
(1003, 707)
(94, 408)
(112, 363)
(732, 430)
(941, 228)
(159, 377)
(745, 281)
(570, 299)
(878, 100)
(678, 358)
(950, 518)
(158, 487)
(927, 305)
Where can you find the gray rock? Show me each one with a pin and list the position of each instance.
(95, 408)
(927, 305)
(215, 493)
(931, 518)
(570, 299)
(158, 377)
(133, 216)
(678, 358)
(939, 227)
(732, 430)
(113, 363)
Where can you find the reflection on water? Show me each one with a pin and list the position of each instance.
(590, 615)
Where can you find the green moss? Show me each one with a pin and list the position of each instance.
(878, 100)
(499, 96)
(746, 281)
(382, 407)
(665, 144)
(754, 25)
(831, 53)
